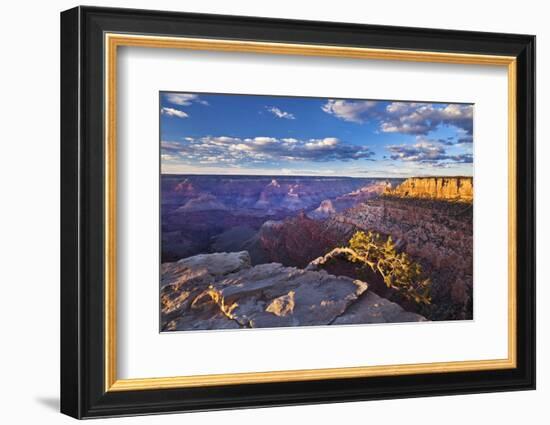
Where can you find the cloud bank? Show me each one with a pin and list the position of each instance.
(422, 118)
(225, 149)
(428, 152)
(404, 117)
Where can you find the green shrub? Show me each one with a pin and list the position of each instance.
(397, 269)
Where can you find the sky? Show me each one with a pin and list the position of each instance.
(203, 133)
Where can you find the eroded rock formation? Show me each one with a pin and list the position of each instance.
(223, 291)
(324, 210)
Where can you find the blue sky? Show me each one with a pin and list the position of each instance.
(273, 135)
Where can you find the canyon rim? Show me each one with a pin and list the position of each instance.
(284, 211)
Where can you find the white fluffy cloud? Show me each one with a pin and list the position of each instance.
(184, 99)
(280, 114)
(348, 110)
(171, 112)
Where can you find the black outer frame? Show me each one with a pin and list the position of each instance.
(82, 206)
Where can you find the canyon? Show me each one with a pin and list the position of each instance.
(274, 227)
(203, 213)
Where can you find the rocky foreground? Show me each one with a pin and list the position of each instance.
(224, 291)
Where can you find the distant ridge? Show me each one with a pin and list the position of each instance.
(306, 176)
(276, 176)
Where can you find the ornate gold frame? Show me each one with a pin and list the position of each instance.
(113, 41)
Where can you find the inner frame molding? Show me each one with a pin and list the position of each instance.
(114, 40)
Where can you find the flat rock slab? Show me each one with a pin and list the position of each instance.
(203, 266)
(372, 308)
(271, 295)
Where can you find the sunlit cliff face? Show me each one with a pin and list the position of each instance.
(440, 188)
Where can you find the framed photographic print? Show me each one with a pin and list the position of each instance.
(261, 212)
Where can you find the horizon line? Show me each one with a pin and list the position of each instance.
(316, 176)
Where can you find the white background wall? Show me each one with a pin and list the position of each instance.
(29, 224)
